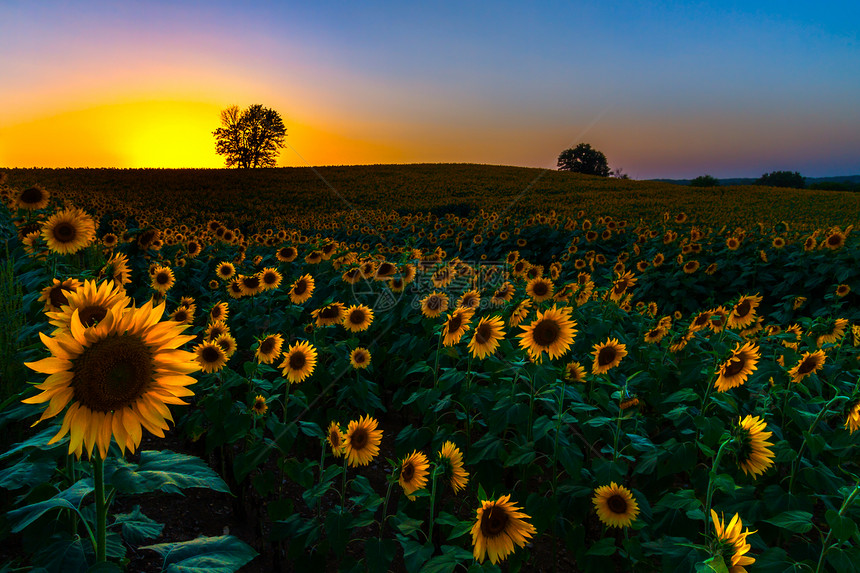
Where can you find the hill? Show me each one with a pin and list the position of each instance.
(848, 179)
(297, 194)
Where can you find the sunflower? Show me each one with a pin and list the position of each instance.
(359, 358)
(269, 349)
(352, 276)
(183, 314)
(287, 254)
(470, 299)
(540, 289)
(752, 452)
(810, 363)
(718, 319)
(488, 333)
(842, 290)
(225, 270)
(434, 304)
(835, 240)
(743, 313)
(520, 312)
(733, 243)
(163, 279)
(299, 362)
(615, 505)
(336, 439)
(551, 331)
(210, 356)
(361, 443)
(574, 372)
(607, 355)
(329, 314)
(413, 473)
(852, 420)
(798, 302)
(118, 376)
(250, 285)
(215, 329)
(234, 288)
(498, 526)
(452, 460)
(117, 269)
(731, 544)
(33, 198)
(735, 371)
(456, 325)
(260, 407)
(227, 343)
(302, 289)
(90, 301)
(357, 318)
(53, 296)
(219, 311)
(655, 335)
(69, 231)
(385, 271)
(837, 331)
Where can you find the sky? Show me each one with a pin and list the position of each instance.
(663, 89)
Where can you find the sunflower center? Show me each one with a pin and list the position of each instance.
(434, 303)
(735, 366)
(546, 332)
(483, 333)
(356, 316)
(267, 346)
(617, 504)
(743, 309)
(408, 472)
(162, 278)
(65, 232)
(455, 323)
(470, 302)
(493, 521)
(329, 312)
(32, 196)
(251, 282)
(112, 373)
(210, 354)
(91, 315)
(606, 355)
(180, 315)
(297, 361)
(300, 287)
(57, 297)
(359, 439)
(807, 366)
(334, 438)
(359, 357)
(270, 278)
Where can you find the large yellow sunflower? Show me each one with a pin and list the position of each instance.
(498, 526)
(552, 331)
(615, 505)
(359, 358)
(117, 377)
(269, 349)
(299, 362)
(357, 318)
(735, 371)
(488, 333)
(743, 313)
(220, 311)
(251, 284)
(33, 198)
(210, 356)
(469, 299)
(90, 301)
(731, 544)
(607, 355)
(456, 325)
(361, 443)
(540, 289)
(413, 473)
(837, 331)
(163, 279)
(225, 270)
(302, 289)
(270, 278)
(69, 231)
(329, 314)
(752, 453)
(452, 459)
(809, 363)
(434, 304)
(53, 295)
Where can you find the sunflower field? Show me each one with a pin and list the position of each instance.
(423, 375)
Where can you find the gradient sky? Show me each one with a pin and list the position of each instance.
(664, 89)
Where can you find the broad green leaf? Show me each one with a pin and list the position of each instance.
(27, 473)
(797, 521)
(162, 471)
(715, 564)
(842, 526)
(39, 441)
(63, 553)
(136, 526)
(605, 546)
(224, 554)
(67, 499)
(311, 429)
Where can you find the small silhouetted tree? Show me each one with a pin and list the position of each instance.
(618, 173)
(250, 138)
(583, 159)
(782, 179)
(705, 181)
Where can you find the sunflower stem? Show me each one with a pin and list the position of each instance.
(101, 507)
(322, 473)
(557, 434)
(343, 486)
(711, 476)
(825, 545)
(432, 502)
(795, 465)
(436, 365)
(385, 506)
(70, 463)
(286, 399)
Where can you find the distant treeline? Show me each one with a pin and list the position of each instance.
(837, 183)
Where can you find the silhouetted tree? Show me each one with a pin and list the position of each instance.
(250, 138)
(782, 179)
(705, 181)
(583, 159)
(618, 173)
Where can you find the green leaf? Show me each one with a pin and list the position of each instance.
(136, 526)
(39, 441)
(311, 429)
(224, 554)
(715, 564)
(407, 525)
(842, 526)
(62, 552)
(797, 521)
(379, 553)
(67, 499)
(415, 554)
(605, 546)
(162, 471)
(27, 473)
